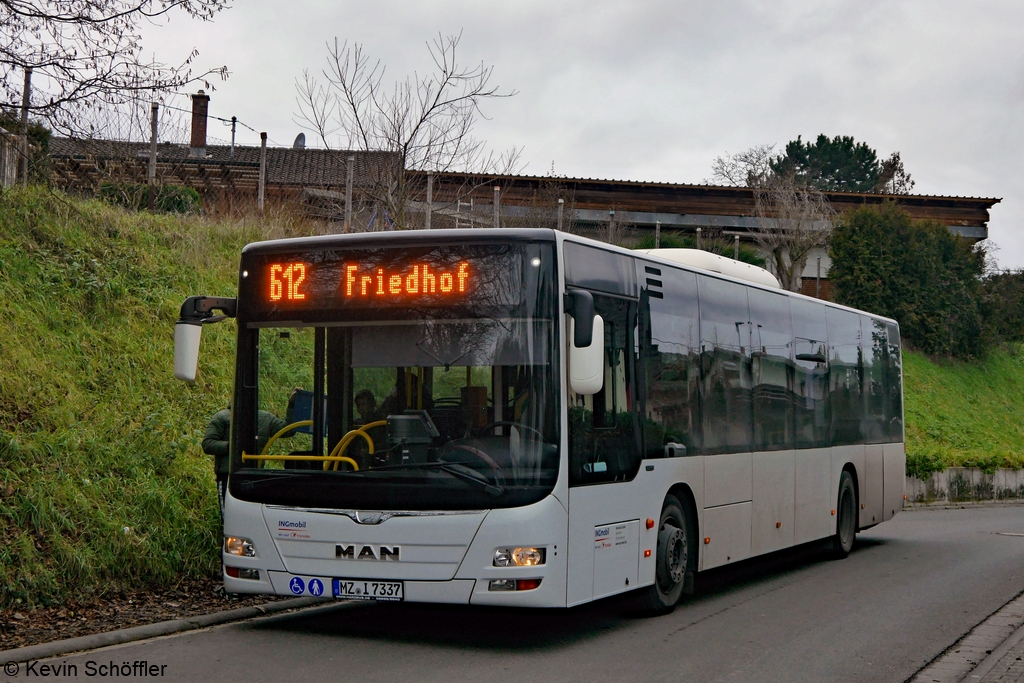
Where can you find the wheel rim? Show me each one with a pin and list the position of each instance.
(672, 556)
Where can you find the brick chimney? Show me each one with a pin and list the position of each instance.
(200, 106)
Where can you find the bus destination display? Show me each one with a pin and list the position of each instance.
(343, 283)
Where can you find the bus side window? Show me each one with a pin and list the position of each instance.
(725, 362)
(602, 436)
(810, 380)
(670, 362)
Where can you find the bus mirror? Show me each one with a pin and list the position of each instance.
(195, 312)
(186, 349)
(580, 305)
(586, 364)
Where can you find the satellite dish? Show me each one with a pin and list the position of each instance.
(300, 141)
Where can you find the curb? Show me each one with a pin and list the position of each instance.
(163, 628)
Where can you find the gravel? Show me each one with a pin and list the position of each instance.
(23, 626)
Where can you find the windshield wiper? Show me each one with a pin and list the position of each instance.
(454, 469)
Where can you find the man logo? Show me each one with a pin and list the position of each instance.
(383, 553)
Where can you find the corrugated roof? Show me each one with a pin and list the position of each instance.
(285, 165)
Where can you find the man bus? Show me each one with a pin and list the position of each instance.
(564, 420)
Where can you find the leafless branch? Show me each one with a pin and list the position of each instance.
(794, 220)
(425, 121)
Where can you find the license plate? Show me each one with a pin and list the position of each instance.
(361, 589)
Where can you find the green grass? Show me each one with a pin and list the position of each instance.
(964, 414)
(103, 483)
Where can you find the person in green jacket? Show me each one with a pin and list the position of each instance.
(218, 435)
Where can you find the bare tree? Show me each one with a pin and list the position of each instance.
(425, 122)
(746, 169)
(793, 220)
(84, 54)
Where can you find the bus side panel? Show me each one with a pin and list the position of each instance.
(895, 465)
(871, 487)
(841, 456)
(727, 534)
(591, 507)
(774, 490)
(814, 495)
(727, 479)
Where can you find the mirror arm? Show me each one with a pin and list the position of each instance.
(198, 310)
(579, 303)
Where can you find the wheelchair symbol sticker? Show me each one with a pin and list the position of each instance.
(297, 585)
(316, 588)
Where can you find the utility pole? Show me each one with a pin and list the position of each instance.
(348, 193)
(430, 199)
(497, 206)
(26, 94)
(234, 122)
(263, 172)
(561, 208)
(154, 110)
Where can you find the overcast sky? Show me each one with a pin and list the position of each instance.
(654, 91)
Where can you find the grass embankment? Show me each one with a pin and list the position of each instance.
(103, 483)
(964, 414)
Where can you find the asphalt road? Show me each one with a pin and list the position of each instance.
(910, 589)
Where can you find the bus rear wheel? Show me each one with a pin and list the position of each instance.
(672, 560)
(846, 517)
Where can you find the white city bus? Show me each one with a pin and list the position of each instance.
(529, 418)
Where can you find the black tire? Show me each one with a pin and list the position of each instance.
(674, 560)
(846, 517)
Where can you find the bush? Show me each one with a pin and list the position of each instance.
(1003, 305)
(917, 272)
(169, 198)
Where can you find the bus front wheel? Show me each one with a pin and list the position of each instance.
(672, 560)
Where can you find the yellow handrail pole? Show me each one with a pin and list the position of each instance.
(348, 438)
(246, 457)
(288, 428)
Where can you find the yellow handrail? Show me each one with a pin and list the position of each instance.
(321, 458)
(288, 428)
(347, 440)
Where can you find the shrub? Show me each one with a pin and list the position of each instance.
(169, 198)
(917, 272)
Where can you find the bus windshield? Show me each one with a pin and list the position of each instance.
(405, 404)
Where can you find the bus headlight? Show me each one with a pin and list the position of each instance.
(518, 557)
(242, 547)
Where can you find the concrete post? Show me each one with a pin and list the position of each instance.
(699, 245)
(561, 208)
(263, 172)
(817, 281)
(736, 248)
(497, 206)
(611, 226)
(154, 110)
(657, 234)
